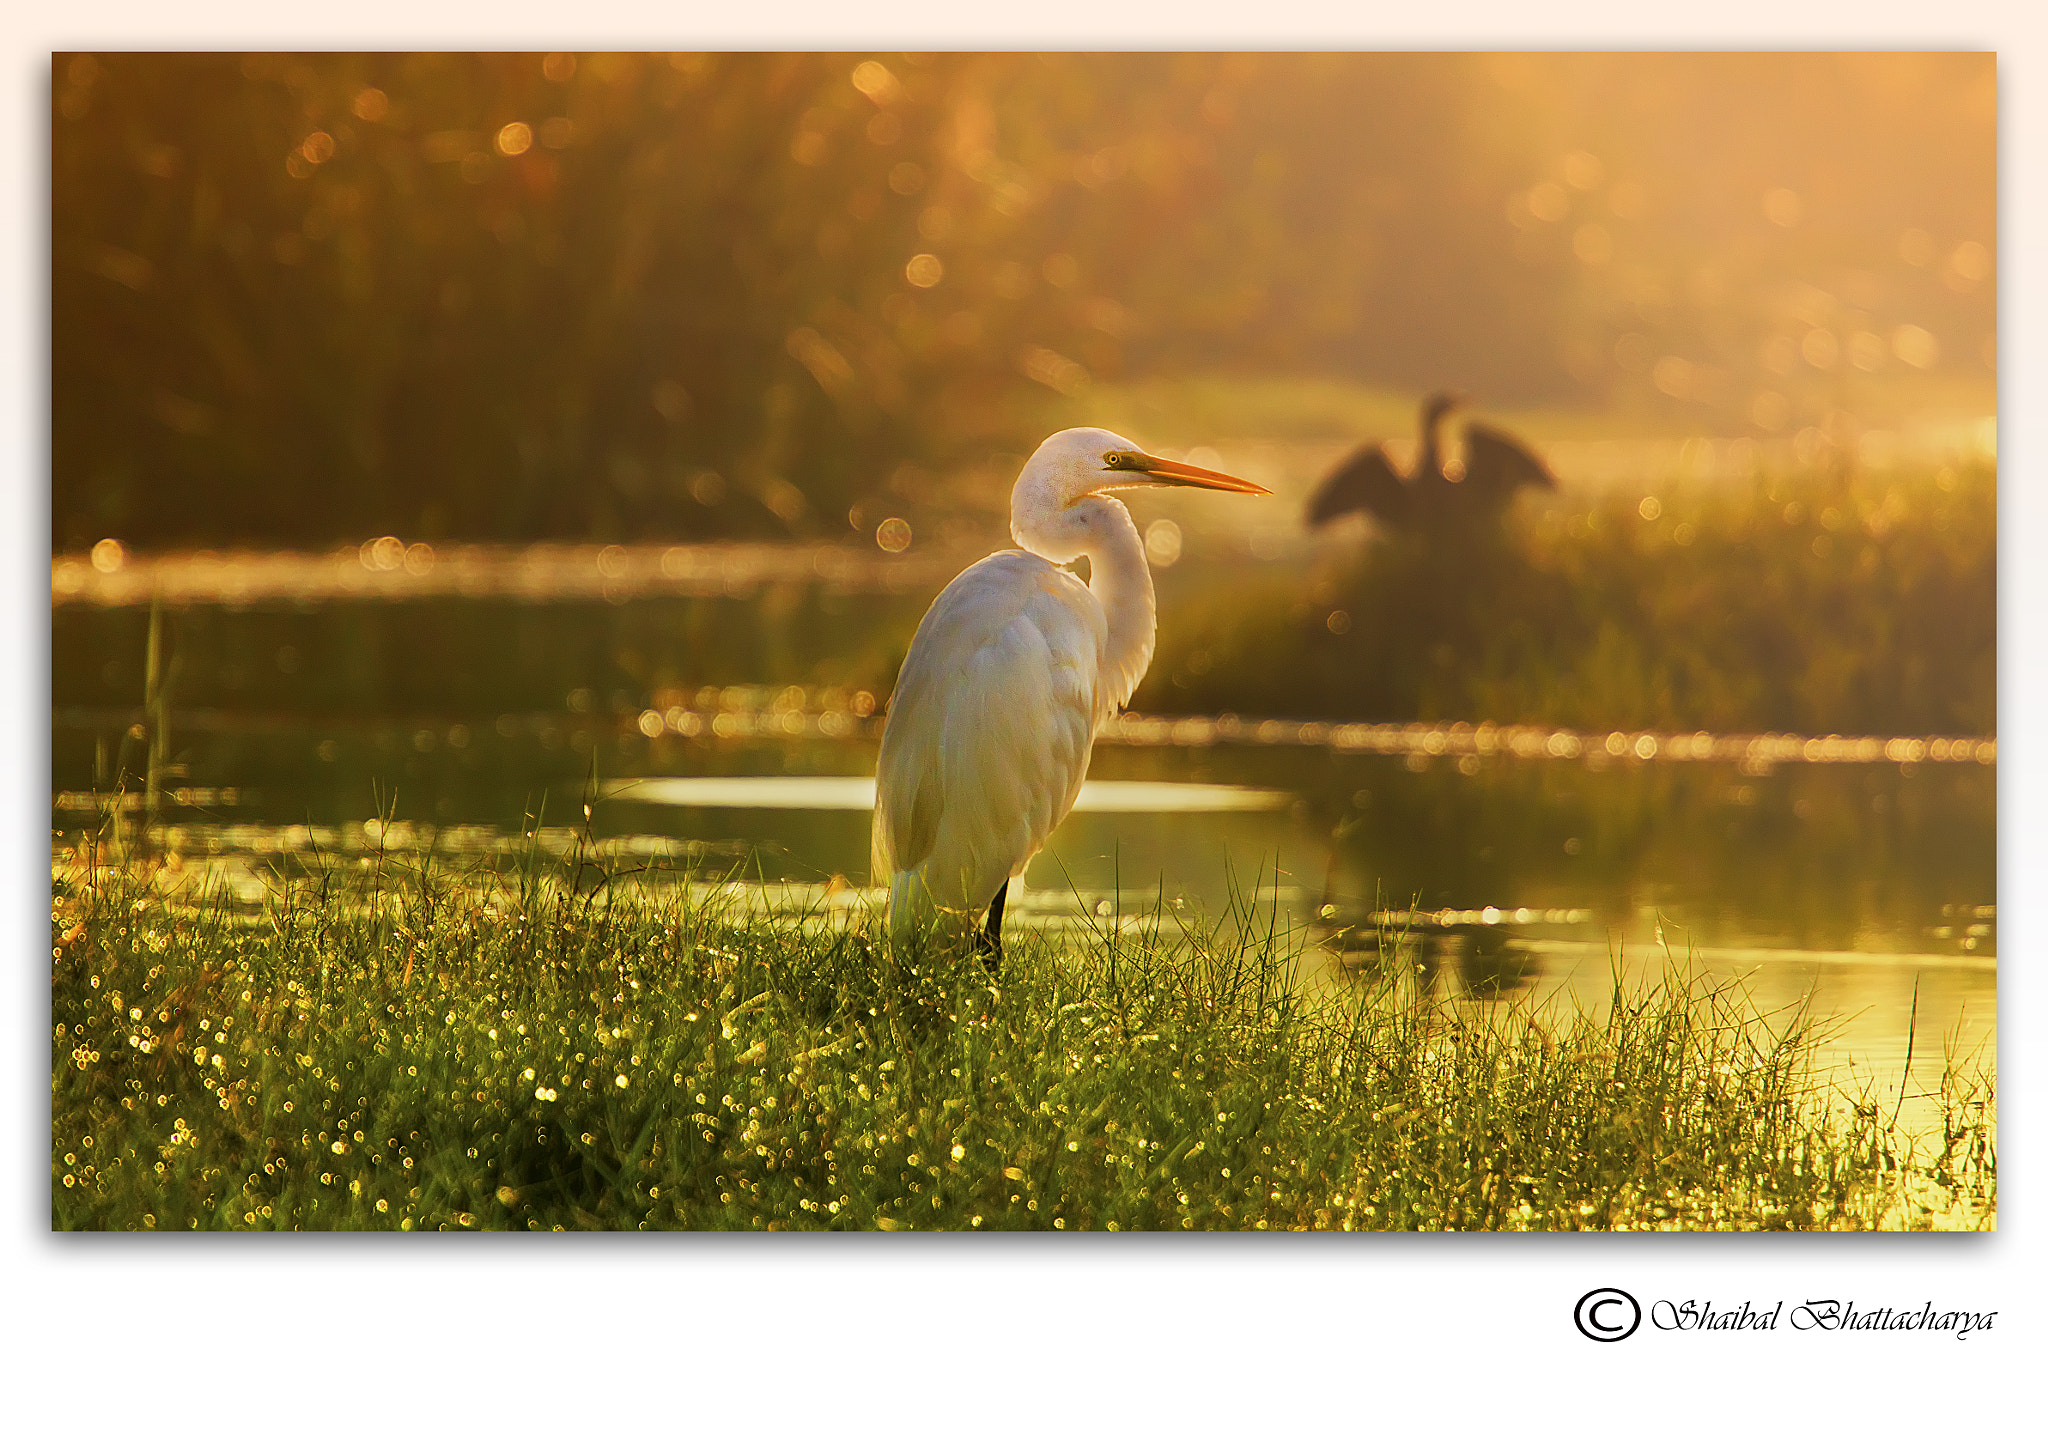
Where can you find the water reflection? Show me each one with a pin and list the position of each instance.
(1866, 859)
(1814, 857)
(858, 795)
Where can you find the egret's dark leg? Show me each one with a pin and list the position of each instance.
(989, 943)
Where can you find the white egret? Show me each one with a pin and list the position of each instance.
(1013, 668)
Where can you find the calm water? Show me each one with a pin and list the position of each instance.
(1860, 883)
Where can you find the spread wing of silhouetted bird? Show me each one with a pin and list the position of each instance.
(1496, 466)
(1367, 483)
(1437, 496)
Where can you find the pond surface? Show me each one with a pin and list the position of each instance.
(1521, 863)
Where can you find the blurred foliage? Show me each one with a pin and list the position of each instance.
(1815, 602)
(303, 298)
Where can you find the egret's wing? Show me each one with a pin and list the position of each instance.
(1366, 481)
(989, 728)
(1495, 465)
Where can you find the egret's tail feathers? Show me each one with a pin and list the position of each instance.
(915, 915)
(911, 909)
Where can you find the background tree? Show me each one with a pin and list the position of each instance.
(302, 299)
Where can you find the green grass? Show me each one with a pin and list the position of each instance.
(388, 1043)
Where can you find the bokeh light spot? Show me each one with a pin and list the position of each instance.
(1583, 170)
(1968, 263)
(1163, 543)
(671, 401)
(872, 78)
(383, 555)
(1549, 202)
(1866, 350)
(1915, 346)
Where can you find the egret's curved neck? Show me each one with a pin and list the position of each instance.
(1121, 581)
(1100, 528)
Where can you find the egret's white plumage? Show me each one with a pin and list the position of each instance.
(1012, 670)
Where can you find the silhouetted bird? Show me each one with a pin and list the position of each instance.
(1439, 498)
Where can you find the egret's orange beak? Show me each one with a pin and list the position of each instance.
(1150, 470)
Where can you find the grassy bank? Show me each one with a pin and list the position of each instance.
(388, 1044)
(1813, 601)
